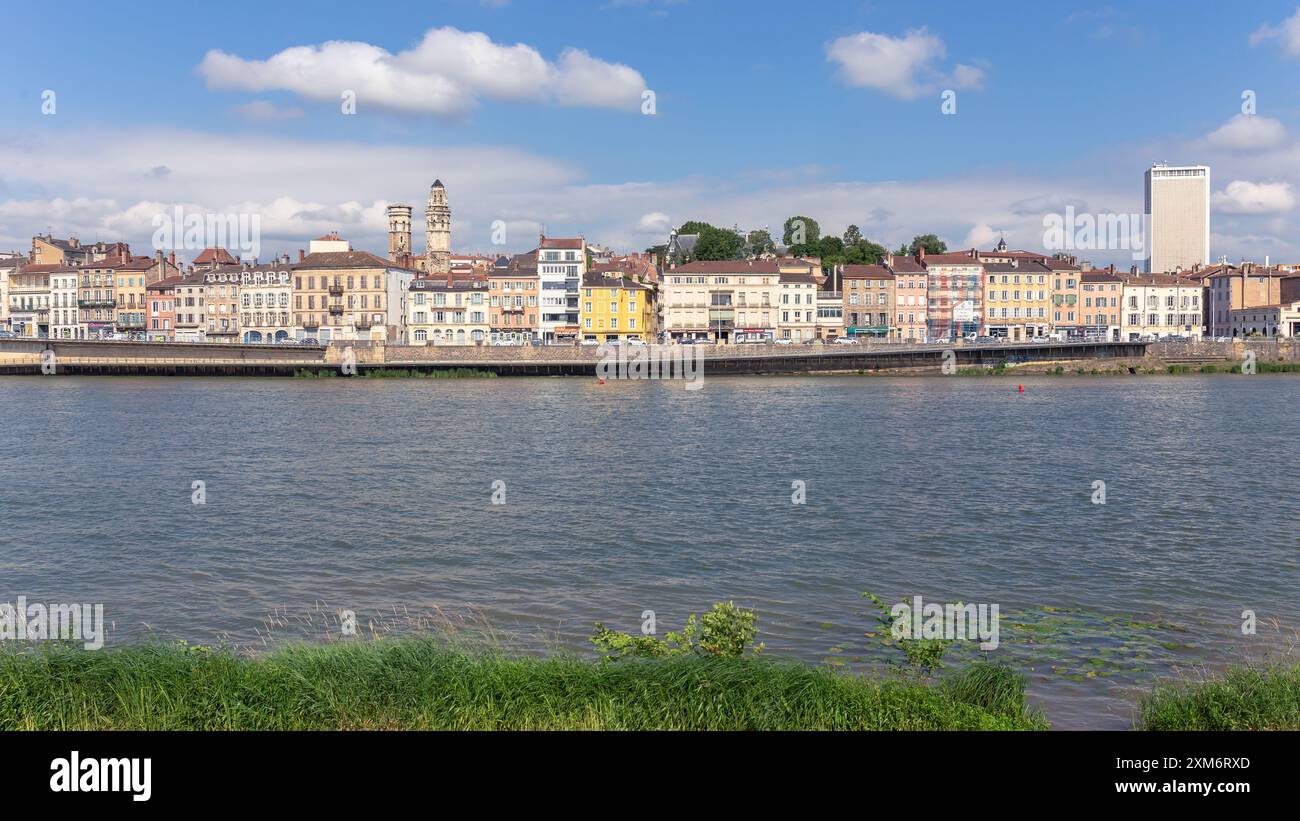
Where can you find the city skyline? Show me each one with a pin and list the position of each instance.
(214, 124)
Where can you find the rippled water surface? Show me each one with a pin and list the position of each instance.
(376, 494)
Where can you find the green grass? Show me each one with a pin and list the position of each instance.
(1245, 698)
(429, 684)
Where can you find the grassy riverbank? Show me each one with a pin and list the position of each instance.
(427, 684)
(1264, 698)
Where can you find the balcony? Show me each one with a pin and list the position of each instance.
(130, 323)
(336, 290)
(363, 322)
(311, 324)
(97, 303)
(336, 310)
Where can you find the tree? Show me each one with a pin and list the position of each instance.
(931, 243)
(799, 233)
(718, 243)
(830, 248)
(693, 227)
(864, 252)
(852, 236)
(758, 243)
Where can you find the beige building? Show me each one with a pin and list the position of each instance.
(348, 295)
(190, 294)
(513, 301)
(1067, 297)
(721, 301)
(1017, 299)
(1232, 288)
(1102, 295)
(47, 250)
(1178, 208)
(221, 301)
(447, 311)
(869, 298)
(1267, 320)
(911, 301)
(1160, 305)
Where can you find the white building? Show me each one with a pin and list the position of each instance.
(561, 263)
(1178, 217)
(64, 322)
(1267, 320)
(1159, 305)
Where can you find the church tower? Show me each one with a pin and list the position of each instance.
(399, 233)
(437, 238)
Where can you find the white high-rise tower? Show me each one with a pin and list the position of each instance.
(1178, 217)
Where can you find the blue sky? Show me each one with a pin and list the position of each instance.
(763, 110)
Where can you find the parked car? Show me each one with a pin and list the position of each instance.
(311, 340)
(589, 343)
(784, 342)
(845, 340)
(7, 335)
(686, 341)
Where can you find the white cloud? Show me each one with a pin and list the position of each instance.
(656, 222)
(106, 188)
(445, 75)
(1287, 33)
(981, 236)
(904, 67)
(1247, 132)
(1244, 197)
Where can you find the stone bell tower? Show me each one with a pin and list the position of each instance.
(437, 238)
(399, 233)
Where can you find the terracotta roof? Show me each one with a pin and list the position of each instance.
(45, 268)
(867, 272)
(1054, 264)
(219, 256)
(906, 265)
(575, 244)
(793, 277)
(963, 258)
(343, 259)
(611, 278)
(727, 266)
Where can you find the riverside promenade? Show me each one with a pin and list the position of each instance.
(82, 357)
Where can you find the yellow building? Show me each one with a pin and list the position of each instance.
(612, 307)
(1017, 300)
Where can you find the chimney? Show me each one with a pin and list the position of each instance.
(301, 255)
(171, 259)
(920, 254)
(1133, 270)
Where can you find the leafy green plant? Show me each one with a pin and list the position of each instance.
(724, 631)
(923, 656)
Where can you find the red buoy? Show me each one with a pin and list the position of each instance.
(1022, 388)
